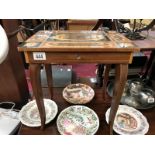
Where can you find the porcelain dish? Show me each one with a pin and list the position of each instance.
(29, 114)
(78, 93)
(77, 120)
(129, 121)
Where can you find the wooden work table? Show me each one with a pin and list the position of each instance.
(47, 47)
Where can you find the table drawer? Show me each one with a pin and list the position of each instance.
(77, 57)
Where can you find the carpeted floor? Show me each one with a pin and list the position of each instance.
(84, 70)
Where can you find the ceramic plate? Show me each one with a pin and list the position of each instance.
(77, 120)
(78, 93)
(129, 121)
(29, 114)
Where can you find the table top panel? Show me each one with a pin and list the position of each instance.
(78, 41)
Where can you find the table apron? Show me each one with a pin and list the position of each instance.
(82, 57)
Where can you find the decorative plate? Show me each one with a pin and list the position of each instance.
(129, 121)
(77, 120)
(78, 93)
(29, 114)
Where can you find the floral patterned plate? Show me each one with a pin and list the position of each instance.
(29, 114)
(77, 120)
(78, 93)
(129, 121)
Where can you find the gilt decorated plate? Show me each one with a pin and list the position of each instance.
(29, 114)
(77, 120)
(78, 93)
(129, 121)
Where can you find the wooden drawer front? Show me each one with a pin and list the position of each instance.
(61, 57)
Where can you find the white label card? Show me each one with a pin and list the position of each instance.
(39, 56)
(150, 100)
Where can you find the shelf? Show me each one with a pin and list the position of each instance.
(98, 104)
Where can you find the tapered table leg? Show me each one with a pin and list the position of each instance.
(100, 75)
(37, 91)
(120, 80)
(149, 64)
(106, 78)
(49, 78)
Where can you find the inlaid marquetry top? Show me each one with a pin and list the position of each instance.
(78, 41)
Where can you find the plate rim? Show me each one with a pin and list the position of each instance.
(98, 121)
(38, 125)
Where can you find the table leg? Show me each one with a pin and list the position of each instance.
(149, 64)
(37, 91)
(106, 78)
(120, 80)
(49, 78)
(100, 74)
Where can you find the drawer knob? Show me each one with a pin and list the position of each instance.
(78, 57)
